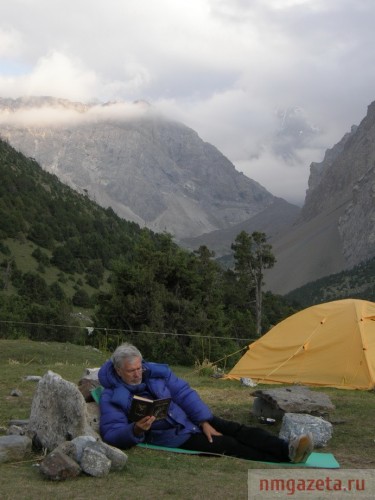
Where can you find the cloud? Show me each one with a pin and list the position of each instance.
(63, 113)
(11, 43)
(272, 145)
(223, 67)
(54, 74)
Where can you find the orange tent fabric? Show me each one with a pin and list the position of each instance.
(330, 344)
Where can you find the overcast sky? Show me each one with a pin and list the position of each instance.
(271, 83)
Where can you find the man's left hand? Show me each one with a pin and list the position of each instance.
(209, 431)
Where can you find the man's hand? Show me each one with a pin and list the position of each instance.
(143, 425)
(209, 431)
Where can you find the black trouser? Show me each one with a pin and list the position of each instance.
(241, 441)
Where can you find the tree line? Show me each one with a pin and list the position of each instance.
(178, 306)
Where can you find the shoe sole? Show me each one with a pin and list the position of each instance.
(303, 450)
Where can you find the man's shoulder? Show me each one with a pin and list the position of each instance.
(157, 370)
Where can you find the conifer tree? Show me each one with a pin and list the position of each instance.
(252, 254)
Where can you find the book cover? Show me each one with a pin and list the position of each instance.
(142, 407)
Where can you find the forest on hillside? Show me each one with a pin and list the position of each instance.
(355, 283)
(72, 271)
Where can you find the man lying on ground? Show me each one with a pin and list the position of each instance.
(189, 424)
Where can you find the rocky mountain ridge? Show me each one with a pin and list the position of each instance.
(336, 227)
(160, 174)
(274, 220)
(149, 169)
(334, 230)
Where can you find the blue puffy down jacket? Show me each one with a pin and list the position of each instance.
(186, 410)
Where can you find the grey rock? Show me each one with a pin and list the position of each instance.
(32, 378)
(294, 424)
(91, 374)
(117, 457)
(85, 454)
(248, 382)
(357, 224)
(19, 422)
(88, 382)
(93, 416)
(295, 399)
(262, 408)
(80, 443)
(16, 392)
(67, 448)
(58, 466)
(15, 430)
(86, 385)
(14, 447)
(58, 413)
(95, 463)
(317, 170)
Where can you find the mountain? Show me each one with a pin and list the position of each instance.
(70, 269)
(355, 283)
(336, 227)
(55, 242)
(160, 174)
(149, 169)
(274, 220)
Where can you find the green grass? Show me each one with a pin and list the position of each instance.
(22, 253)
(149, 473)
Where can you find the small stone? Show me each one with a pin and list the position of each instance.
(15, 430)
(248, 382)
(14, 447)
(117, 457)
(80, 443)
(16, 392)
(88, 382)
(32, 378)
(263, 409)
(19, 422)
(57, 466)
(68, 449)
(91, 374)
(95, 463)
(86, 386)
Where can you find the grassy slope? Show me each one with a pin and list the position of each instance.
(22, 251)
(356, 283)
(157, 474)
(29, 197)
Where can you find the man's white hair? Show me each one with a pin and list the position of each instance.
(125, 352)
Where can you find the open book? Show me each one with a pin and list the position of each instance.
(142, 407)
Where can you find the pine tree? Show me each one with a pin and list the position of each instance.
(252, 254)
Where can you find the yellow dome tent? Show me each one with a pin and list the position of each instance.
(330, 344)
